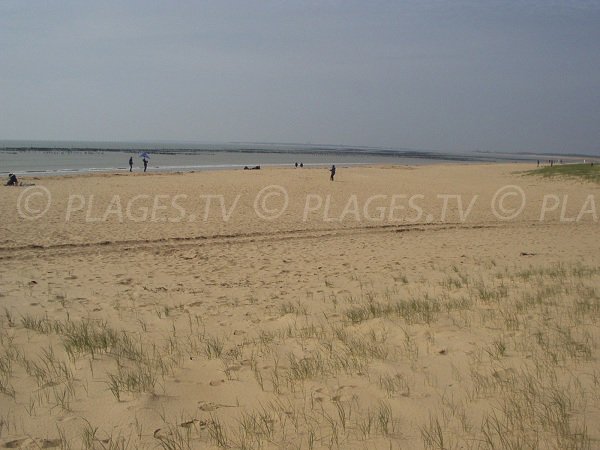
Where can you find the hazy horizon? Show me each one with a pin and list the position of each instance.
(462, 76)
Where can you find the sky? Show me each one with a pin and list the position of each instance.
(464, 75)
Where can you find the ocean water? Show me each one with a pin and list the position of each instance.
(59, 158)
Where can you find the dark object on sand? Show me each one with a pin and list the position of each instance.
(12, 180)
(332, 170)
(131, 164)
(252, 168)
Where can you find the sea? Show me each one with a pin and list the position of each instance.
(39, 158)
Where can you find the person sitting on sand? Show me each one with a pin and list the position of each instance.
(332, 170)
(12, 180)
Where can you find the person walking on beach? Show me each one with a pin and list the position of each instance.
(131, 164)
(332, 170)
(145, 164)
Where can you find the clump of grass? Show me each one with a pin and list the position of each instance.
(48, 370)
(40, 324)
(296, 308)
(140, 365)
(433, 435)
(490, 293)
(175, 437)
(385, 418)
(213, 346)
(81, 337)
(217, 432)
(87, 337)
(371, 345)
(534, 413)
(586, 172)
(308, 367)
(9, 356)
(394, 384)
(414, 310)
(497, 350)
(140, 378)
(6, 388)
(256, 428)
(9, 317)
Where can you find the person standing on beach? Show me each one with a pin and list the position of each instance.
(332, 170)
(131, 164)
(145, 164)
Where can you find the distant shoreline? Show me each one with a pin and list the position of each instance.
(259, 150)
(45, 161)
(57, 160)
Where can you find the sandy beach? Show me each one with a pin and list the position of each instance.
(442, 306)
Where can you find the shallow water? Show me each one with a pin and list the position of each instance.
(43, 158)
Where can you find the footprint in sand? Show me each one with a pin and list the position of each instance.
(161, 434)
(32, 443)
(49, 443)
(14, 444)
(66, 419)
(199, 303)
(193, 422)
(189, 254)
(210, 406)
(343, 393)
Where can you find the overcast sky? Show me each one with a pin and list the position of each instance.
(507, 75)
